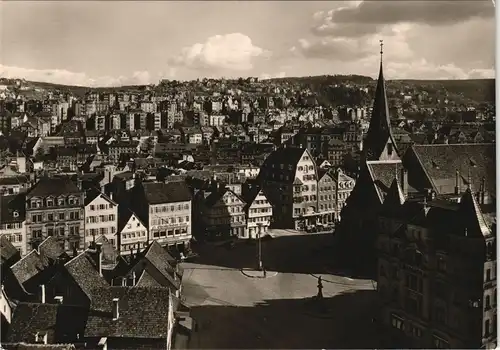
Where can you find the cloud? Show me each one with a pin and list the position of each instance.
(230, 51)
(361, 18)
(65, 77)
(422, 39)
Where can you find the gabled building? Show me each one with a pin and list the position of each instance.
(50, 325)
(113, 321)
(132, 233)
(73, 284)
(152, 267)
(289, 179)
(259, 212)
(101, 217)
(55, 207)
(166, 210)
(12, 221)
(223, 214)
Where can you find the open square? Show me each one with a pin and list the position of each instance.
(235, 311)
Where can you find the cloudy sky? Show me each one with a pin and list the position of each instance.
(137, 42)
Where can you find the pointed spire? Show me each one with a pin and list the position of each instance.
(381, 51)
(379, 131)
(472, 216)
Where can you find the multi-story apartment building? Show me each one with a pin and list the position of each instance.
(259, 212)
(344, 185)
(289, 178)
(132, 233)
(326, 196)
(54, 207)
(437, 271)
(101, 218)
(223, 213)
(12, 220)
(118, 148)
(166, 210)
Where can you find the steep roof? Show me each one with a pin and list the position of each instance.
(93, 193)
(379, 131)
(143, 313)
(61, 322)
(472, 216)
(55, 186)
(29, 266)
(441, 162)
(383, 174)
(285, 155)
(146, 280)
(7, 250)
(83, 270)
(11, 204)
(170, 192)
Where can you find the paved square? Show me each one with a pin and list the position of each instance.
(234, 311)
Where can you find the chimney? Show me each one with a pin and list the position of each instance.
(98, 249)
(404, 181)
(58, 299)
(133, 278)
(103, 344)
(116, 313)
(457, 183)
(42, 293)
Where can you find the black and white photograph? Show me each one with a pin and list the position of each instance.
(248, 175)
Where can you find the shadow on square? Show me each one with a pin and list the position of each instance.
(307, 253)
(287, 323)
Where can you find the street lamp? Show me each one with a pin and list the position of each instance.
(259, 247)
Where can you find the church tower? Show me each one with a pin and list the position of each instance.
(379, 144)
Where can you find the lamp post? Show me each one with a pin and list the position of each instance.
(259, 247)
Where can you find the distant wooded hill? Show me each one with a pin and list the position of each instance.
(478, 90)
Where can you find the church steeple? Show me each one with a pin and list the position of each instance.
(379, 143)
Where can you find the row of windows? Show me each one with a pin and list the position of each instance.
(399, 324)
(169, 233)
(173, 220)
(38, 203)
(101, 207)
(305, 168)
(100, 231)
(165, 208)
(304, 199)
(13, 226)
(132, 246)
(100, 218)
(260, 210)
(259, 219)
(14, 238)
(57, 231)
(73, 215)
(298, 211)
(127, 235)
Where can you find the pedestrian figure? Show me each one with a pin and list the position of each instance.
(265, 273)
(320, 288)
